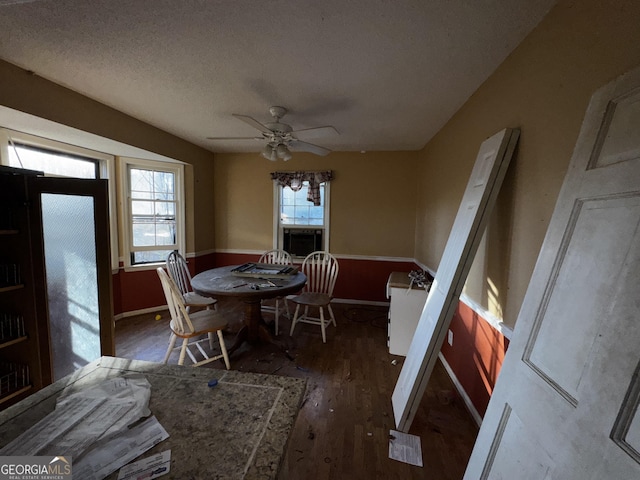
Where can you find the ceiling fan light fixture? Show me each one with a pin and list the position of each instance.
(282, 151)
(269, 153)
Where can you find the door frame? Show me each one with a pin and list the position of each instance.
(97, 189)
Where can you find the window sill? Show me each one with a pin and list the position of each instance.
(141, 268)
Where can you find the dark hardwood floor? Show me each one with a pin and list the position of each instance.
(342, 429)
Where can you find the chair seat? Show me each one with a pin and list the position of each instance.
(312, 299)
(192, 298)
(205, 321)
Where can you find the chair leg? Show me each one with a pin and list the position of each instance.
(211, 346)
(276, 313)
(172, 344)
(183, 351)
(333, 317)
(323, 326)
(223, 349)
(295, 319)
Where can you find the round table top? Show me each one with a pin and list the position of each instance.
(221, 282)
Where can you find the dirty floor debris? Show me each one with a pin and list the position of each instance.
(342, 429)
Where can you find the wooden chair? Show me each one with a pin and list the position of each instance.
(276, 257)
(179, 272)
(321, 269)
(190, 327)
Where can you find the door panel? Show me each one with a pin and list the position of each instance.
(72, 287)
(475, 208)
(520, 456)
(75, 245)
(571, 374)
(607, 226)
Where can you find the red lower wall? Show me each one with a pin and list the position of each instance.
(358, 279)
(134, 291)
(475, 357)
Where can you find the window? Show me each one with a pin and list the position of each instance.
(154, 210)
(301, 226)
(295, 209)
(52, 162)
(59, 159)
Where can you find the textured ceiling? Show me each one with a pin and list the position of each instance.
(387, 74)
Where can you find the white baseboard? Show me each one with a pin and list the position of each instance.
(361, 302)
(143, 311)
(467, 401)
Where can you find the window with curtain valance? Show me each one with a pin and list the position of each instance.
(295, 180)
(301, 211)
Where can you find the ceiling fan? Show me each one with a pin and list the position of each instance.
(281, 137)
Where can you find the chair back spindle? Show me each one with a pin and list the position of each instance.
(179, 271)
(321, 269)
(180, 321)
(276, 257)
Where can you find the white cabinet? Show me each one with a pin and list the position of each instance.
(404, 311)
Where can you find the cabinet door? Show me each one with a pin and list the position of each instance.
(74, 218)
(404, 313)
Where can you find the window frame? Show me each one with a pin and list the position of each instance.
(177, 168)
(278, 226)
(106, 170)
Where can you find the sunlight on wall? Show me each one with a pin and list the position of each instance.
(493, 299)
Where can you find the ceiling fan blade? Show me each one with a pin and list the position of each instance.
(309, 147)
(234, 138)
(316, 131)
(253, 122)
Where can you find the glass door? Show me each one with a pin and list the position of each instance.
(77, 272)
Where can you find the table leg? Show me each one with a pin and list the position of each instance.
(254, 329)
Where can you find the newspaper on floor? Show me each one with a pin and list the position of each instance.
(90, 419)
(148, 468)
(107, 457)
(405, 448)
(132, 390)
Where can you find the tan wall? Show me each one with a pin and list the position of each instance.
(373, 199)
(543, 88)
(29, 93)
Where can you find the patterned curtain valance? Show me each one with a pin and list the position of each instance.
(294, 181)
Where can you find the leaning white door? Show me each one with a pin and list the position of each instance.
(478, 200)
(566, 403)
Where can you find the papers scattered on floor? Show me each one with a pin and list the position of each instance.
(92, 427)
(120, 450)
(147, 468)
(405, 448)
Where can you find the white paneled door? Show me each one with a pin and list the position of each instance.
(566, 403)
(478, 200)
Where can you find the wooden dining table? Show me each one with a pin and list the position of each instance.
(222, 282)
